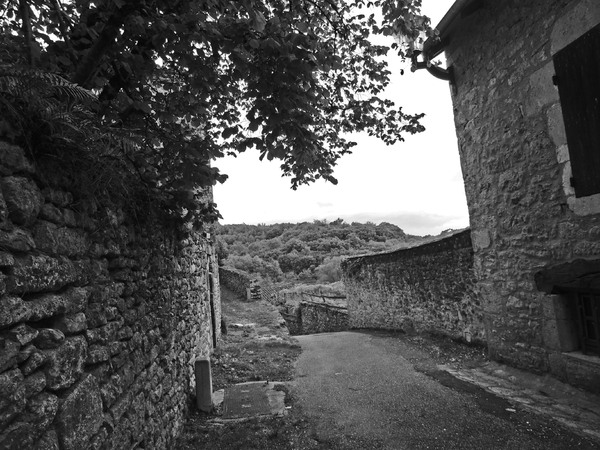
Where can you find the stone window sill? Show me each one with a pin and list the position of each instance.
(584, 206)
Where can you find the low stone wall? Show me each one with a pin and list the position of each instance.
(322, 318)
(290, 297)
(101, 319)
(292, 317)
(429, 287)
(239, 282)
(312, 318)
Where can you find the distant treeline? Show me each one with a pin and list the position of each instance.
(308, 251)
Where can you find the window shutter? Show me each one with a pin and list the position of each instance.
(578, 77)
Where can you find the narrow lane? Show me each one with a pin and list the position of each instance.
(374, 390)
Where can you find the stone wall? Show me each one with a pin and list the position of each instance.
(524, 215)
(311, 317)
(312, 309)
(101, 319)
(429, 287)
(294, 297)
(322, 318)
(239, 282)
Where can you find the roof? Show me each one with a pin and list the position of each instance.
(460, 9)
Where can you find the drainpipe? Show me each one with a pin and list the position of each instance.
(436, 71)
(434, 46)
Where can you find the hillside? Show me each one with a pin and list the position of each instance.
(308, 251)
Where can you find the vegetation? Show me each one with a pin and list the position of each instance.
(144, 95)
(308, 252)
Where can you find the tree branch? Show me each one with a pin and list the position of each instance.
(61, 23)
(89, 63)
(27, 33)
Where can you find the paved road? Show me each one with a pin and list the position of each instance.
(373, 390)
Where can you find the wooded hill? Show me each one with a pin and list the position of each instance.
(308, 251)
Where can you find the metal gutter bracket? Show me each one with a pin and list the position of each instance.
(436, 71)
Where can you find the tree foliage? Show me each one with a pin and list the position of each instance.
(330, 270)
(308, 250)
(180, 83)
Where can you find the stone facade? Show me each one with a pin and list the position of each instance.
(428, 287)
(524, 215)
(100, 319)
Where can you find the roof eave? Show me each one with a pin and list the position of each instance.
(460, 8)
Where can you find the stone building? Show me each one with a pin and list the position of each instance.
(526, 93)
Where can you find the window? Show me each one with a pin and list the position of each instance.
(588, 315)
(577, 69)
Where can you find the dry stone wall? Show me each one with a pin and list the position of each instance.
(524, 215)
(310, 317)
(429, 287)
(100, 319)
(308, 312)
(238, 281)
(321, 318)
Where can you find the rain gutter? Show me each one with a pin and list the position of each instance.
(434, 46)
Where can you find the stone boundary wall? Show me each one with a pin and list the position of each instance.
(295, 298)
(312, 317)
(322, 318)
(101, 319)
(291, 315)
(429, 287)
(236, 280)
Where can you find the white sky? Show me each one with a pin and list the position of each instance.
(416, 184)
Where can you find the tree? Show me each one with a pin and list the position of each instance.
(330, 270)
(257, 266)
(295, 245)
(179, 83)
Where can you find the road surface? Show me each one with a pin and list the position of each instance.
(376, 391)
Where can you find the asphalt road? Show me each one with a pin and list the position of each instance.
(373, 390)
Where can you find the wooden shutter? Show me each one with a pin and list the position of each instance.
(578, 78)
(588, 307)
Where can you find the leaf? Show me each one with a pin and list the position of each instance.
(228, 132)
(203, 74)
(259, 22)
(302, 27)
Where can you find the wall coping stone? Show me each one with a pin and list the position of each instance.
(436, 244)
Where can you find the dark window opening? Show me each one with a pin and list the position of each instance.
(588, 322)
(577, 69)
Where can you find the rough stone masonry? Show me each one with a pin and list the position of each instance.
(100, 322)
(525, 216)
(429, 287)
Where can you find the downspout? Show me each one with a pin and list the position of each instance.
(434, 46)
(436, 71)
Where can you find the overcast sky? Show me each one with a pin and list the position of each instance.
(416, 184)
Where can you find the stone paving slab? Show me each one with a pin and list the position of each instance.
(574, 408)
(252, 399)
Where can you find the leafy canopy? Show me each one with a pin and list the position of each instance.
(184, 82)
